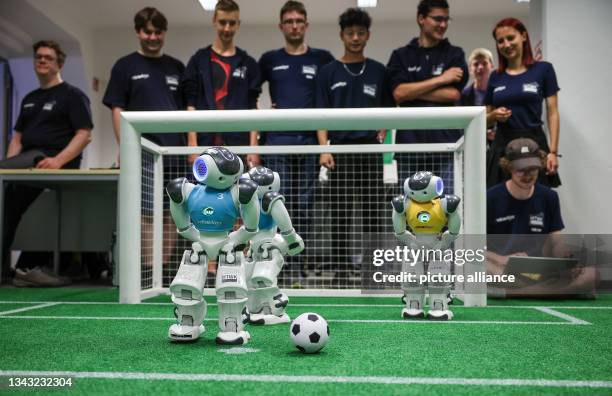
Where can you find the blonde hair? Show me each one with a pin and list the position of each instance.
(481, 53)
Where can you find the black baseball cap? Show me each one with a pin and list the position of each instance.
(523, 153)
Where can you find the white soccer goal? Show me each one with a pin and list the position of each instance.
(150, 250)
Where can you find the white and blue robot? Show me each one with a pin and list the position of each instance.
(425, 219)
(205, 214)
(276, 239)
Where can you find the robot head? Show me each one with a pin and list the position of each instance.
(218, 168)
(266, 179)
(423, 187)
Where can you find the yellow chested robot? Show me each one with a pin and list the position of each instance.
(425, 219)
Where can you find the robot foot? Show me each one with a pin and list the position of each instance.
(412, 313)
(181, 333)
(232, 338)
(438, 314)
(268, 319)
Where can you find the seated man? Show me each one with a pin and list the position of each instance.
(526, 217)
(52, 130)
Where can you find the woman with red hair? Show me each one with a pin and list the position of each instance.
(514, 99)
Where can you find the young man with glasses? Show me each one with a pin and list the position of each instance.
(428, 72)
(291, 74)
(52, 130)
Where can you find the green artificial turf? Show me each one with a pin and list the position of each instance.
(133, 338)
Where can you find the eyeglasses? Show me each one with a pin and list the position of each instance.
(48, 58)
(440, 18)
(291, 22)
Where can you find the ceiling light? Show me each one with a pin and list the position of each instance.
(208, 5)
(366, 3)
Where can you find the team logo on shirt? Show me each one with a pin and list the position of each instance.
(504, 219)
(437, 70)
(338, 85)
(208, 211)
(140, 77)
(240, 72)
(369, 89)
(531, 87)
(49, 105)
(280, 67)
(173, 82)
(309, 71)
(537, 219)
(423, 217)
(414, 69)
(499, 89)
(28, 105)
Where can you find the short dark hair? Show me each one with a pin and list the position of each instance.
(61, 55)
(425, 6)
(150, 14)
(226, 6)
(292, 5)
(355, 17)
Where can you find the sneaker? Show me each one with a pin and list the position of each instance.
(37, 277)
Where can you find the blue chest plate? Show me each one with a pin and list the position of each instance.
(212, 210)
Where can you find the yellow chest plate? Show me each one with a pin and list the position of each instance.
(426, 218)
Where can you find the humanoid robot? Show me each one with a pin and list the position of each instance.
(204, 214)
(266, 305)
(425, 219)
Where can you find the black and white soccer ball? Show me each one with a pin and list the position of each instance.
(309, 332)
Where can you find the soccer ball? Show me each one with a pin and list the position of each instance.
(309, 332)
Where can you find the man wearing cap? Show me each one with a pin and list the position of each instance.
(525, 208)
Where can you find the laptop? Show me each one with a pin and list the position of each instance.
(539, 268)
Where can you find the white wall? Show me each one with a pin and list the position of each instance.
(575, 37)
(182, 42)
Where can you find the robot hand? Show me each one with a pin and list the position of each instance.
(295, 243)
(445, 240)
(228, 250)
(407, 238)
(196, 251)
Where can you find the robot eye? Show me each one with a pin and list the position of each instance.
(200, 170)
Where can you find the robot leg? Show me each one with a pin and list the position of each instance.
(186, 290)
(266, 302)
(414, 292)
(438, 293)
(231, 290)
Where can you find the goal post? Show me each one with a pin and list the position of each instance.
(135, 124)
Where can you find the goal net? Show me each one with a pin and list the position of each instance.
(344, 214)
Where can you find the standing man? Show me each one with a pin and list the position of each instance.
(428, 72)
(354, 81)
(222, 77)
(291, 75)
(52, 130)
(148, 80)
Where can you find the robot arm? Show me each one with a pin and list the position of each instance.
(178, 190)
(249, 212)
(273, 203)
(450, 204)
(400, 204)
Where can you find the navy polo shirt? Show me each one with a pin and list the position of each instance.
(291, 80)
(49, 118)
(523, 94)
(339, 88)
(413, 63)
(142, 83)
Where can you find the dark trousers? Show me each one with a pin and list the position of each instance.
(17, 200)
(357, 201)
(298, 174)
